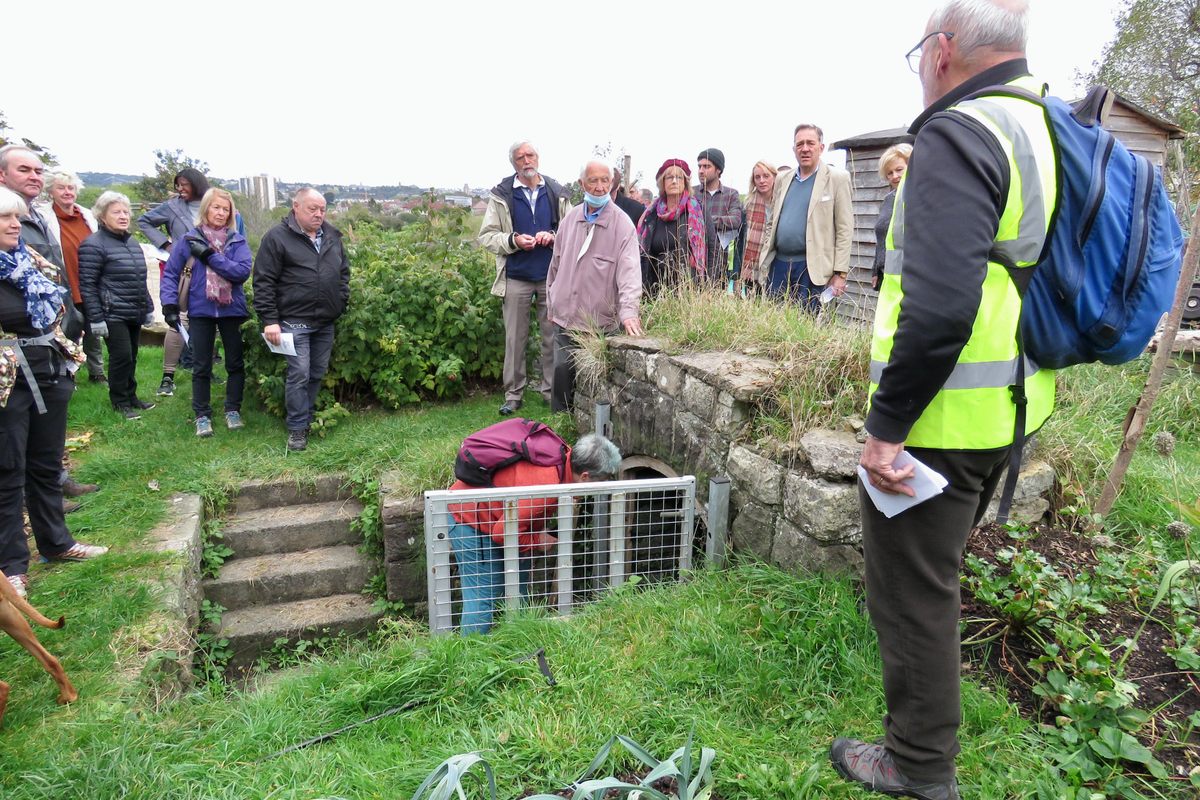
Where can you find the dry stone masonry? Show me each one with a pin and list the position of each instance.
(795, 505)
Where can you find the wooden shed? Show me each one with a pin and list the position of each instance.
(1140, 130)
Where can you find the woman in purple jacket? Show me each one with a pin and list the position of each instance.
(213, 264)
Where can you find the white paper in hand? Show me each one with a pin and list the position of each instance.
(286, 346)
(925, 483)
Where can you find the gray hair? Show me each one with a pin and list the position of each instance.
(11, 202)
(612, 173)
(305, 190)
(596, 456)
(514, 147)
(106, 201)
(8, 149)
(64, 177)
(976, 24)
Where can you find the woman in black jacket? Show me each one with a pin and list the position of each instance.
(112, 281)
(37, 366)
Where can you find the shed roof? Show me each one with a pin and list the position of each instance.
(882, 138)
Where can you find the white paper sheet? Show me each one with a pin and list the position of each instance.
(925, 483)
(286, 346)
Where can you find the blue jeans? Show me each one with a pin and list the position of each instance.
(305, 370)
(789, 279)
(481, 576)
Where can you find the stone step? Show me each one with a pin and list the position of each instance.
(285, 530)
(273, 493)
(255, 631)
(283, 577)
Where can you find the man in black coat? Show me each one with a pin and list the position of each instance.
(301, 285)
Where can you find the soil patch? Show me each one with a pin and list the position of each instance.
(1166, 692)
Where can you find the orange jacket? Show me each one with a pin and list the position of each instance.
(532, 513)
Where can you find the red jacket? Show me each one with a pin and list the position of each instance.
(532, 513)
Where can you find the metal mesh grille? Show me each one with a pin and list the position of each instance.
(550, 546)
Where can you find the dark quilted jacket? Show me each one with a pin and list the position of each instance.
(112, 278)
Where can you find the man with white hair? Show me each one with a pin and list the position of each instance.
(522, 215)
(69, 224)
(594, 283)
(301, 286)
(946, 372)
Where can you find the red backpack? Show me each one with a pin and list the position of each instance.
(507, 442)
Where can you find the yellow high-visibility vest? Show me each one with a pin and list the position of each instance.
(974, 409)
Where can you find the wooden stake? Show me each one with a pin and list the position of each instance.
(1135, 422)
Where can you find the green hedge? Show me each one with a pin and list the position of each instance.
(420, 322)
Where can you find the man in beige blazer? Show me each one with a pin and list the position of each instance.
(808, 247)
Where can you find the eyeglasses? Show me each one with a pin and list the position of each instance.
(914, 56)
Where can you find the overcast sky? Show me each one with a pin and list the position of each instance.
(432, 93)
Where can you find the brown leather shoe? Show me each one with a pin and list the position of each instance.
(73, 488)
(70, 506)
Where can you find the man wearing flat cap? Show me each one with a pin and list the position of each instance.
(722, 206)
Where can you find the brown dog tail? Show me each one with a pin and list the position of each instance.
(21, 604)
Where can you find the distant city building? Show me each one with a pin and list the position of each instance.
(261, 189)
(460, 200)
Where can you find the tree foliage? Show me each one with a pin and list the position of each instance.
(1155, 61)
(158, 187)
(5, 139)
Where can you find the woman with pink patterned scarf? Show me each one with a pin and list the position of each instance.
(671, 230)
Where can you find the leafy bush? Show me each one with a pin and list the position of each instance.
(421, 319)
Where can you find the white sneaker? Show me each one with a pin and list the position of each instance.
(18, 583)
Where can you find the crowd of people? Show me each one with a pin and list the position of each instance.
(943, 353)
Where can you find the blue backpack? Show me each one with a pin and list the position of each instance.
(1114, 250)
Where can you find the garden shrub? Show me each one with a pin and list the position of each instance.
(421, 319)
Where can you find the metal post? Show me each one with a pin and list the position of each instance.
(687, 530)
(616, 541)
(566, 554)
(604, 419)
(718, 521)
(437, 559)
(512, 557)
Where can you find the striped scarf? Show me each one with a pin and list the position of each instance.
(758, 213)
(697, 254)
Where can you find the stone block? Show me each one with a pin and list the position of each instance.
(695, 448)
(1030, 502)
(668, 376)
(635, 363)
(731, 416)
(796, 552)
(744, 377)
(760, 478)
(832, 454)
(753, 530)
(698, 397)
(827, 512)
(406, 581)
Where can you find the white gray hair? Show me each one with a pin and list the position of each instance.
(514, 147)
(64, 177)
(976, 24)
(305, 190)
(11, 202)
(9, 149)
(612, 173)
(106, 201)
(596, 456)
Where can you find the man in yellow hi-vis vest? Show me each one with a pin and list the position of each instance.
(976, 202)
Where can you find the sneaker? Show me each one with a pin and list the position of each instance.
(128, 412)
(18, 582)
(80, 552)
(203, 426)
(142, 404)
(167, 387)
(297, 440)
(73, 488)
(233, 420)
(100, 378)
(509, 408)
(872, 766)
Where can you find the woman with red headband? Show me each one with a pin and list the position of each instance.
(671, 231)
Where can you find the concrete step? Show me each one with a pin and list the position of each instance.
(272, 493)
(283, 577)
(285, 530)
(254, 631)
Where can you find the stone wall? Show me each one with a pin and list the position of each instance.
(795, 505)
(403, 518)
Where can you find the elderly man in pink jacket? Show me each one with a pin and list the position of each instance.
(595, 279)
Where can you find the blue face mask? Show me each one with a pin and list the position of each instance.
(596, 201)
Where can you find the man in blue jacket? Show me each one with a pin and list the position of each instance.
(301, 285)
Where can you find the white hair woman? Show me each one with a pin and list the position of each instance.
(116, 302)
(37, 366)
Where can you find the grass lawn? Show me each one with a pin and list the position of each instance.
(767, 667)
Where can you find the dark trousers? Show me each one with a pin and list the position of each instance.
(912, 572)
(562, 387)
(305, 370)
(203, 331)
(31, 448)
(789, 279)
(122, 362)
